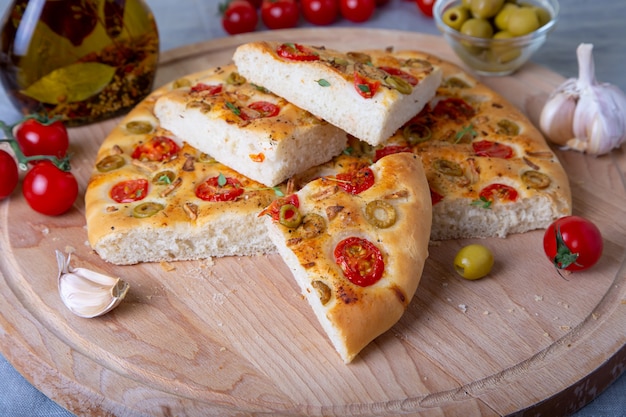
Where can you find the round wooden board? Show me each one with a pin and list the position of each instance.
(233, 337)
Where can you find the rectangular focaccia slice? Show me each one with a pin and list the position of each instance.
(245, 127)
(369, 94)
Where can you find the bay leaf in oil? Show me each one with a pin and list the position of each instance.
(72, 83)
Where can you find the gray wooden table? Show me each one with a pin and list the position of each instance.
(184, 22)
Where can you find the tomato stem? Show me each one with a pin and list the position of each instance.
(23, 160)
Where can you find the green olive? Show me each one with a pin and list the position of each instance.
(360, 57)
(138, 127)
(455, 82)
(473, 261)
(289, 216)
(507, 127)
(181, 82)
(147, 209)
(479, 28)
(536, 180)
(415, 133)
(234, 78)
(501, 21)
(380, 214)
(523, 22)
(206, 158)
(455, 17)
(399, 84)
(485, 9)
(447, 167)
(164, 178)
(312, 225)
(110, 163)
(504, 53)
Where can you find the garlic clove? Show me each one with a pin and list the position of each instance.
(557, 117)
(88, 293)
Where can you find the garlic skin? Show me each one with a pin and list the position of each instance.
(583, 114)
(88, 293)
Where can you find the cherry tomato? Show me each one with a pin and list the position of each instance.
(573, 243)
(259, 109)
(211, 90)
(454, 108)
(37, 138)
(389, 150)
(357, 10)
(239, 16)
(320, 12)
(49, 190)
(129, 191)
(473, 261)
(360, 260)
(9, 175)
(159, 148)
(492, 149)
(280, 14)
(296, 52)
(402, 74)
(355, 182)
(499, 192)
(426, 7)
(435, 197)
(365, 87)
(219, 188)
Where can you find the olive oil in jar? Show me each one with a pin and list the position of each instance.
(80, 60)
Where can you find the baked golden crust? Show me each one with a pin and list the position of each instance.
(354, 314)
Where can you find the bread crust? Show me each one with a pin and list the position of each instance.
(326, 87)
(355, 315)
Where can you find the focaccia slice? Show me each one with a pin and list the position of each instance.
(247, 128)
(152, 197)
(369, 95)
(356, 243)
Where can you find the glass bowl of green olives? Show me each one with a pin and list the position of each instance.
(495, 37)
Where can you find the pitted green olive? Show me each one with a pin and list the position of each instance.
(399, 84)
(523, 22)
(289, 216)
(447, 167)
(536, 180)
(147, 209)
(380, 214)
(485, 9)
(138, 127)
(110, 163)
(456, 16)
(415, 133)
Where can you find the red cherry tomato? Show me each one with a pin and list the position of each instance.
(492, 149)
(129, 191)
(219, 188)
(259, 109)
(360, 260)
(9, 175)
(498, 192)
(159, 148)
(402, 74)
(49, 190)
(239, 16)
(573, 243)
(390, 149)
(320, 12)
(357, 10)
(355, 182)
(211, 90)
(37, 138)
(426, 7)
(454, 108)
(365, 87)
(280, 14)
(435, 197)
(296, 52)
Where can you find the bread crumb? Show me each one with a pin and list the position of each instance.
(167, 267)
(538, 298)
(486, 313)
(594, 316)
(70, 249)
(565, 327)
(463, 308)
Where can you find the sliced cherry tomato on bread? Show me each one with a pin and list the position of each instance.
(296, 52)
(159, 148)
(498, 192)
(492, 149)
(129, 191)
(273, 210)
(355, 182)
(454, 108)
(365, 87)
(360, 260)
(219, 188)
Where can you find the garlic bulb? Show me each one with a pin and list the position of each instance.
(87, 293)
(583, 114)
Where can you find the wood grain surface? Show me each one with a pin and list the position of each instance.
(233, 337)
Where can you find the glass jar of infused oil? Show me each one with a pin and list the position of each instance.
(79, 60)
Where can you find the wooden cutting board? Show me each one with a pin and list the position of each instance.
(233, 337)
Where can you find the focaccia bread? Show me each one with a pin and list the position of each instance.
(491, 173)
(152, 197)
(247, 128)
(356, 243)
(367, 95)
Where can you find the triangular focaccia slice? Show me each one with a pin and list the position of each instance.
(356, 243)
(369, 95)
(247, 128)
